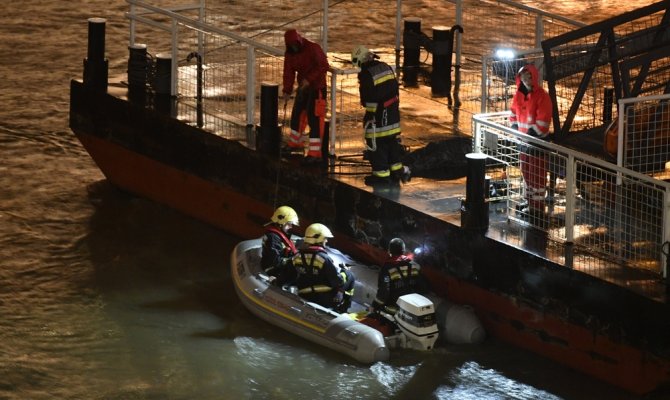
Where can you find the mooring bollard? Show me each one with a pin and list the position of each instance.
(475, 208)
(412, 49)
(268, 134)
(95, 64)
(440, 77)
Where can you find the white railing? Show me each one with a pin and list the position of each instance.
(191, 27)
(600, 207)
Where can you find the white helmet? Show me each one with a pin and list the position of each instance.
(285, 215)
(359, 55)
(317, 234)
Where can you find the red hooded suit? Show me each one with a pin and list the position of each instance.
(531, 112)
(310, 64)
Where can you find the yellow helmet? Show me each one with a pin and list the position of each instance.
(359, 55)
(317, 234)
(285, 215)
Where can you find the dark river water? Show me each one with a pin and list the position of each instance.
(107, 296)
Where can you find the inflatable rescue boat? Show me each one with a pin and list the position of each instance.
(354, 334)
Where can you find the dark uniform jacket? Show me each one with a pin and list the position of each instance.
(378, 89)
(318, 279)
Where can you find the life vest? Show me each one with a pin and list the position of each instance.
(403, 272)
(316, 271)
(289, 246)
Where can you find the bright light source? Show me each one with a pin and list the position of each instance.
(505, 54)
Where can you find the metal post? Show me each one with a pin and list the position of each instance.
(95, 64)
(475, 209)
(570, 198)
(251, 85)
(412, 48)
(268, 135)
(440, 77)
(608, 102)
(333, 113)
(199, 83)
(324, 33)
(398, 21)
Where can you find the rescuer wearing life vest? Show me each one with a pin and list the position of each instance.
(531, 114)
(398, 276)
(379, 94)
(318, 279)
(306, 59)
(278, 249)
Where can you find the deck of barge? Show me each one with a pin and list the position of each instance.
(441, 198)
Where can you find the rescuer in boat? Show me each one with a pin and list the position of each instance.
(318, 279)
(531, 114)
(278, 249)
(306, 59)
(379, 94)
(398, 276)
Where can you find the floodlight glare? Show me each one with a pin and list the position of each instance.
(505, 54)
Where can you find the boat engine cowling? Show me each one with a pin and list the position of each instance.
(416, 320)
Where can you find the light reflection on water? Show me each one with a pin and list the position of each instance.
(106, 296)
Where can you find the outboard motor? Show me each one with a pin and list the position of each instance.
(416, 319)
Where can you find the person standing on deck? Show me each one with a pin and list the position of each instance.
(277, 247)
(379, 94)
(399, 276)
(531, 115)
(307, 60)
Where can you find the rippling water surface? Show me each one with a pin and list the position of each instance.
(107, 296)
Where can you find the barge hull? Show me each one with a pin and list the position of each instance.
(580, 321)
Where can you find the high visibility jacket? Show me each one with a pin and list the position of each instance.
(398, 276)
(531, 109)
(379, 93)
(309, 63)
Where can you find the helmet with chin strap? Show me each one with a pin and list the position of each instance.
(317, 234)
(285, 215)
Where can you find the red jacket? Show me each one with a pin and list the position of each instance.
(309, 63)
(532, 109)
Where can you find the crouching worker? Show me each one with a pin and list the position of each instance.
(278, 249)
(399, 276)
(318, 279)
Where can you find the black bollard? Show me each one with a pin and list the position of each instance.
(440, 76)
(162, 82)
(412, 48)
(138, 66)
(475, 209)
(95, 64)
(268, 134)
